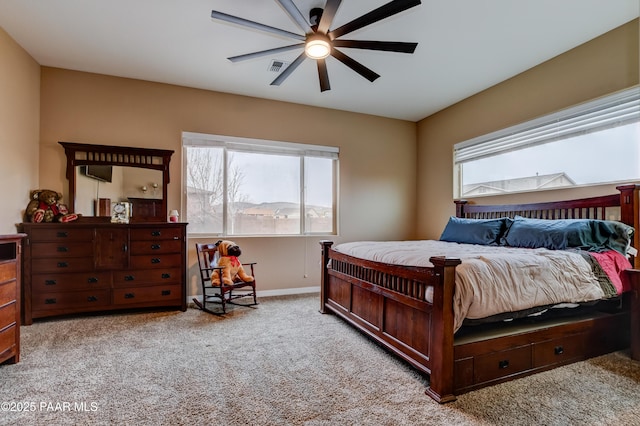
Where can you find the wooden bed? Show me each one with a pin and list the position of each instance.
(387, 302)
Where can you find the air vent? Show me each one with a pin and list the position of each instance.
(278, 65)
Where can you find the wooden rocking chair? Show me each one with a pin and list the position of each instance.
(222, 294)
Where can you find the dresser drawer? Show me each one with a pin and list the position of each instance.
(60, 233)
(7, 270)
(7, 341)
(70, 264)
(146, 276)
(153, 234)
(163, 261)
(8, 292)
(7, 315)
(169, 293)
(558, 350)
(52, 283)
(501, 364)
(77, 300)
(154, 247)
(62, 249)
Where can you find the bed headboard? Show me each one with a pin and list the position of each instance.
(622, 206)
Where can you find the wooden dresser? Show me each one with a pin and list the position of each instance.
(10, 255)
(86, 267)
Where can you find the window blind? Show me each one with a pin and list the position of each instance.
(259, 145)
(600, 114)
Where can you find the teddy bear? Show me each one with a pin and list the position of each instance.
(228, 259)
(45, 207)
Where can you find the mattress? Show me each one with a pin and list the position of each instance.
(493, 280)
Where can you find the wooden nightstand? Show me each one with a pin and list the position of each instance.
(10, 255)
(634, 278)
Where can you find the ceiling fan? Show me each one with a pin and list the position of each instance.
(319, 42)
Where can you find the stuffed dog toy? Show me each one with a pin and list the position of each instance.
(228, 259)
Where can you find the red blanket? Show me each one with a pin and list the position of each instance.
(614, 263)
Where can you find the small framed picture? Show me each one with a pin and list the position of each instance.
(120, 212)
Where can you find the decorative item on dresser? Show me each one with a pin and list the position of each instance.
(84, 267)
(10, 270)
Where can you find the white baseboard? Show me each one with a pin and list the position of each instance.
(288, 291)
(272, 293)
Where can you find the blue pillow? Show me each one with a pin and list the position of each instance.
(585, 234)
(473, 231)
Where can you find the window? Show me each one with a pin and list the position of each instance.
(237, 186)
(592, 143)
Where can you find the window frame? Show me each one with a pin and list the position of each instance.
(267, 147)
(606, 112)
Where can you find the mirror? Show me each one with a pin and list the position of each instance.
(101, 174)
(115, 183)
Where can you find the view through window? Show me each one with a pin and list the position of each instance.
(239, 186)
(594, 143)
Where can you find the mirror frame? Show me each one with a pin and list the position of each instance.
(81, 154)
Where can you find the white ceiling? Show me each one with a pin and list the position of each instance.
(464, 46)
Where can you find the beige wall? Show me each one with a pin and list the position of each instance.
(19, 130)
(377, 155)
(604, 65)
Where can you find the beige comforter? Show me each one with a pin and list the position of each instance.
(493, 280)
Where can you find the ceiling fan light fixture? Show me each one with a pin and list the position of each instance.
(317, 47)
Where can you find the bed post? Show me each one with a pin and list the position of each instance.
(441, 378)
(460, 207)
(629, 213)
(324, 279)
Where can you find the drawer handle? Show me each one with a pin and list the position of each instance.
(155, 260)
(92, 299)
(166, 276)
(62, 234)
(558, 350)
(129, 295)
(50, 282)
(92, 280)
(166, 292)
(129, 278)
(155, 246)
(503, 364)
(156, 233)
(63, 249)
(50, 301)
(62, 264)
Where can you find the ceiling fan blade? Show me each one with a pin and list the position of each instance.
(296, 15)
(328, 14)
(354, 65)
(255, 25)
(383, 12)
(387, 46)
(287, 71)
(323, 75)
(264, 52)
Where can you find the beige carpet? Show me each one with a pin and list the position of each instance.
(282, 363)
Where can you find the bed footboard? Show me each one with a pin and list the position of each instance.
(388, 303)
